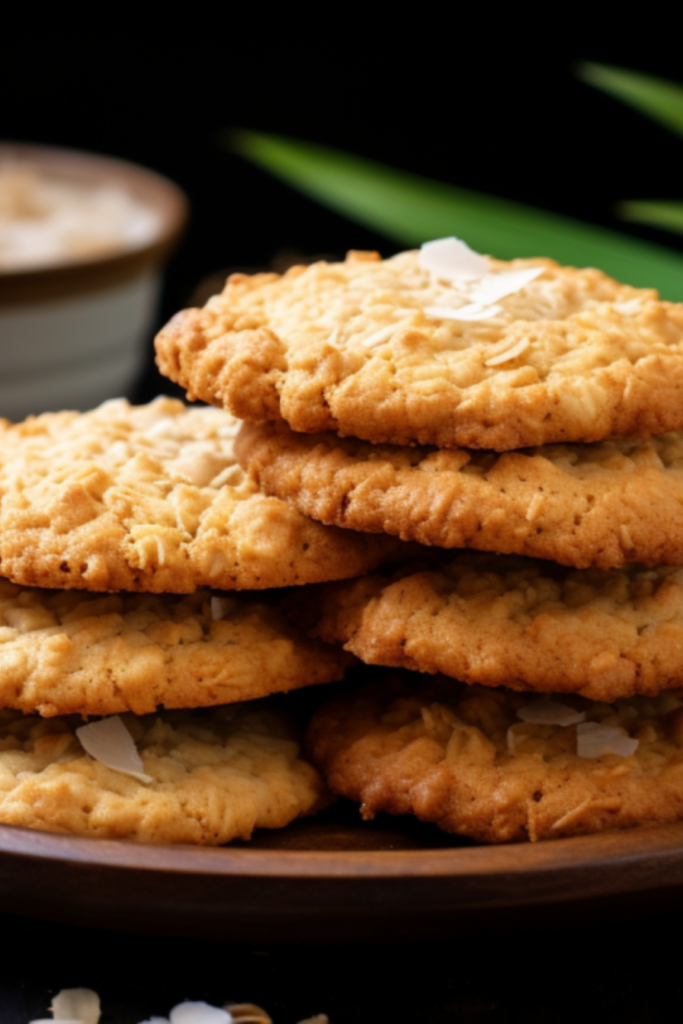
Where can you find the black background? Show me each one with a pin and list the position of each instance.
(484, 100)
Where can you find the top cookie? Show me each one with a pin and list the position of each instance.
(150, 498)
(374, 349)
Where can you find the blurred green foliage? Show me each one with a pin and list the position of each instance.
(409, 210)
(660, 100)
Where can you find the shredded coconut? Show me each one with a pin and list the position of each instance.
(509, 354)
(472, 311)
(384, 333)
(630, 307)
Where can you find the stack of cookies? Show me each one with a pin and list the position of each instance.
(139, 623)
(527, 412)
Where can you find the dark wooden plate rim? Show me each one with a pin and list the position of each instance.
(663, 843)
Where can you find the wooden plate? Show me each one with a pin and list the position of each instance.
(337, 879)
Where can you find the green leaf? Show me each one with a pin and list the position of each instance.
(655, 212)
(409, 210)
(655, 97)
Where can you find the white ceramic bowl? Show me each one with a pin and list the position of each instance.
(72, 333)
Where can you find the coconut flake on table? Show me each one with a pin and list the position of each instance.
(73, 1006)
(109, 742)
(550, 712)
(199, 1013)
(594, 739)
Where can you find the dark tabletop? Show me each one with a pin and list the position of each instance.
(598, 972)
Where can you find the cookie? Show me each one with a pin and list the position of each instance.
(150, 498)
(602, 504)
(507, 621)
(370, 348)
(462, 757)
(215, 776)
(63, 652)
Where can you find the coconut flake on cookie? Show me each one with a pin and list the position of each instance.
(452, 260)
(593, 739)
(110, 743)
(550, 712)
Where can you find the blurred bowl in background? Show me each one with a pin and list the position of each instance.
(83, 240)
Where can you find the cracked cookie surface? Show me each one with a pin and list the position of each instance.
(216, 776)
(602, 504)
(442, 752)
(508, 621)
(151, 498)
(349, 347)
(65, 652)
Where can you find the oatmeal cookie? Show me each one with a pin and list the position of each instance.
(603, 504)
(151, 498)
(461, 757)
(507, 621)
(214, 776)
(369, 348)
(65, 652)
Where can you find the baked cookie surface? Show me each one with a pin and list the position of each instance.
(215, 776)
(602, 504)
(507, 621)
(351, 347)
(461, 757)
(65, 652)
(151, 498)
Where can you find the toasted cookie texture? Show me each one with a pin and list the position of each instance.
(602, 504)
(461, 757)
(352, 347)
(216, 776)
(151, 498)
(64, 652)
(507, 621)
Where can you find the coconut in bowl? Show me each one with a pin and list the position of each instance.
(83, 240)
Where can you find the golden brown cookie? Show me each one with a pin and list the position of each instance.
(151, 498)
(370, 348)
(215, 776)
(602, 504)
(63, 652)
(506, 621)
(463, 758)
